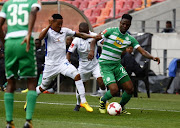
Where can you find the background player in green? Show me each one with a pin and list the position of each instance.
(113, 73)
(19, 53)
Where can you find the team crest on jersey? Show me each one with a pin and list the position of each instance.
(118, 42)
(127, 38)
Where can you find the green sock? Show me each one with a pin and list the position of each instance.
(9, 101)
(125, 98)
(31, 101)
(107, 96)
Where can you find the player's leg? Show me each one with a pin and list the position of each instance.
(9, 101)
(124, 80)
(49, 73)
(11, 67)
(128, 91)
(96, 73)
(84, 78)
(27, 69)
(73, 73)
(31, 100)
(107, 72)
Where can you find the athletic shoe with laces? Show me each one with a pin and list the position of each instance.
(10, 124)
(102, 106)
(28, 124)
(25, 91)
(25, 106)
(125, 112)
(87, 107)
(77, 107)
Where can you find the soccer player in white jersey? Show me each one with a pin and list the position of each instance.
(116, 39)
(55, 58)
(86, 67)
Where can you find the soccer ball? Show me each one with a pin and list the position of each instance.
(114, 108)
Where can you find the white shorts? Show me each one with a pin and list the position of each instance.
(95, 72)
(51, 71)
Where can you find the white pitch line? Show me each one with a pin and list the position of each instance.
(95, 106)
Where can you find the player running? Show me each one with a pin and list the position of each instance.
(19, 53)
(113, 73)
(86, 67)
(55, 58)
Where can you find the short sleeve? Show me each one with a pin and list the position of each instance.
(3, 11)
(106, 33)
(46, 36)
(36, 3)
(70, 32)
(73, 45)
(135, 43)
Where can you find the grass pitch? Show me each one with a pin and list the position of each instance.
(56, 111)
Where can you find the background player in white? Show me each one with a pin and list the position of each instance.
(55, 58)
(86, 67)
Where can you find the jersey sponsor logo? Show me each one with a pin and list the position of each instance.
(118, 42)
(72, 45)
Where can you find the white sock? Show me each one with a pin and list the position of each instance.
(38, 91)
(102, 92)
(51, 90)
(81, 90)
(78, 98)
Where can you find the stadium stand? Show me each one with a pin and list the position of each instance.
(97, 10)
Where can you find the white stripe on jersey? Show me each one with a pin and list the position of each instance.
(111, 54)
(107, 58)
(112, 48)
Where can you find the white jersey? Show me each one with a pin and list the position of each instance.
(56, 45)
(83, 48)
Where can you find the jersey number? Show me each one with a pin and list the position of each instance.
(16, 11)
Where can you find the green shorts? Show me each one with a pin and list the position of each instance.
(18, 62)
(113, 73)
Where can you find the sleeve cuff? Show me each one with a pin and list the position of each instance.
(136, 46)
(36, 5)
(2, 14)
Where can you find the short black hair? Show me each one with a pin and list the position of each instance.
(83, 24)
(127, 16)
(57, 16)
(168, 22)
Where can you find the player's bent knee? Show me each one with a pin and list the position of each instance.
(77, 77)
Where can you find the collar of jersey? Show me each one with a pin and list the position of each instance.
(54, 32)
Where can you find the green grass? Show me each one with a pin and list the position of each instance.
(159, 111)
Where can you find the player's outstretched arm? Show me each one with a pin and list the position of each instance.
(147, 54)
(32, 19)
(83, 35)
(2, 35)
(44, 32)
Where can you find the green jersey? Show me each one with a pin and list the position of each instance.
(114, 44)
(17, 12)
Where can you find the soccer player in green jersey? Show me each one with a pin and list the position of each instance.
(116, 39)
(19, 53)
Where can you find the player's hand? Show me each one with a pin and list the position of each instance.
(27, 41)
(91, 55)
(157, 59)
(50, 20)
(98, 37)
